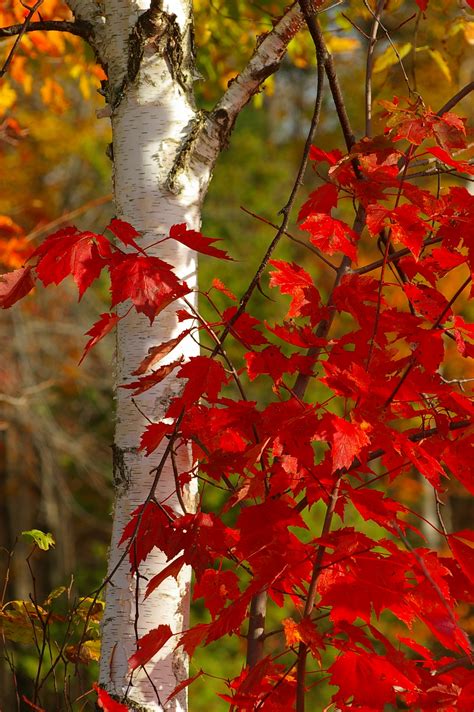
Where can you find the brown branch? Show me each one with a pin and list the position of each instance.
(286, 210)
(370, 67)
(456, 98)
(394, 257)
(311, 597)
(256, 631)
(16, 44)
(79, 28)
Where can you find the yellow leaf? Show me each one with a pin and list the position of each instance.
(292, 634)
(7, 97)
(342, 44)
(441, 62)
(469, 32)
(85, 653)
(389, 57)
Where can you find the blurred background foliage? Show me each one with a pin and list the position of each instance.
(56, 420)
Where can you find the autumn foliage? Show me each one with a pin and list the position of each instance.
(357, 404)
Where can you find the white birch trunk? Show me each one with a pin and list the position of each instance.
(149, 123)
(163, 152)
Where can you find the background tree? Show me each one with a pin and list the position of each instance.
(206, 138)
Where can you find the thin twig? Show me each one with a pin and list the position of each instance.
(456, 98)
(370, 67)
(286, 210)
(308, 246)
(16, 44)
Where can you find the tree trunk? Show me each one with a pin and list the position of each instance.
(163, 152)
(153, 111)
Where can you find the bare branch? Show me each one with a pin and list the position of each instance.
(22, 31)
(456, 98)
(370, 67)
(80, 28)
(211, 132)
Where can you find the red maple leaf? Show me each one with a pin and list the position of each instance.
(371, 681)
(197, 241)
(149, 645)
(216, 587)
(205, 377)
(330, 235)
(293, 279)
(151, 379)
(71, 252)
(321, 200)
(347, 439)
(100, 329)
(15, 285)
(153, 435)
(149, 282)
(125, 233)
(105, 701)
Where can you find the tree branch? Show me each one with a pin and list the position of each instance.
(16, 44)
(80, 28)
(456, 98)
(210, 133)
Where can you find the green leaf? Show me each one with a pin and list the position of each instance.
(42, 540)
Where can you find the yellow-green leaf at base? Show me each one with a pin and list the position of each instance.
(42, 540)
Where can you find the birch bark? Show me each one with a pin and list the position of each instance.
(163, 153)
(152, 113)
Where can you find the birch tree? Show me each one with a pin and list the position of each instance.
(163, 151)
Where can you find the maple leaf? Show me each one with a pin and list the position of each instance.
(171, 569)
(196, 241)
(149, 645)
(244, 329)
(428, 302)
(318, 155)
(182, 685)
(321, 200)
(147, 281)
(271, 361)
(445, 157)
(152, 379)
(156, 353)
(148, 527)
(153, 435)
(205, 376)
(125, 233)
(372, 504)
(105, 701)
(293, 279)
(348, 439)
(15, 285)
(220, 286)
(101, 328)
(216, 587)
(368, 679)
(70, 252)
(463, 552)
(330, 235)
(193, 637)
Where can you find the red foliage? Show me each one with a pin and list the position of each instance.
(373, 351)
